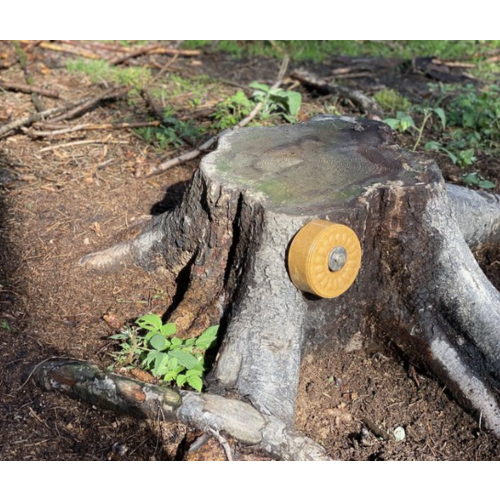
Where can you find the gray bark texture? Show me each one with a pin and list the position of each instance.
(419, 285)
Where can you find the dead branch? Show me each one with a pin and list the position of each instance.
(136, 53)
(153, 49)
(68, 50)
(209, 413)
(91, 126)
(69, 110)
(362, 101)
(191, 155)
(111, 94)
(28, 89)
(80, 143)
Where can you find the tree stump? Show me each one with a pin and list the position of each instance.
(418, 284)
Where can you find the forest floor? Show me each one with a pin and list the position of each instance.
(63, 196)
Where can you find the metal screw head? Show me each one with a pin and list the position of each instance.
(337, 259)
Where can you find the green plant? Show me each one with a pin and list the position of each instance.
(165, 136)
(99, 71)
(152, 345)
(5, 325)
(477, 180)
(391, 101)
(275, 100)
(232, 110)
(404, 122)
(464, 158)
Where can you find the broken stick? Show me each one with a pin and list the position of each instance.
(28, 89)
(191, 155)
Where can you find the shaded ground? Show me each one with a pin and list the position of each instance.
(60, 204)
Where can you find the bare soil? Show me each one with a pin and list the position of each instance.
(60, 204)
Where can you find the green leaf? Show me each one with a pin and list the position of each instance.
(197, 371)
(189, 342)
(260, 86)
(185, 359)
(432, 146)
(467, 157)
(207, 338)
(392, 122)
(150, 322)
(149, 358)
(195, 382)
(158, 342)
(442, 116)
(471, 179)
(176, 342)
(294, 102)
(161, 361)
(168, 329)
(485, 184)
(181, 380)
(119, 336)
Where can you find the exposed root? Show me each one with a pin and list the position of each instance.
(477, 214)
(209, 413)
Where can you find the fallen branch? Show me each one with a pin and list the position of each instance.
(191, 155)
(153, 49)
(91, 126)
(362, 101)
(209, 413)
(69, 50)
(69, 110)
(28, 89)
(80, 143)
(90, 103)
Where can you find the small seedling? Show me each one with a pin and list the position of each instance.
(152, 345)
(5, 325)
(477, 180)
(285, 103)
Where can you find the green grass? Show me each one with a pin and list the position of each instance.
(99, 71)
(319, 50)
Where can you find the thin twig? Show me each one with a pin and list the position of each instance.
(162, 167)
(223, 442)
(80, 143)
(91, 126)
(28, 89)
(165, 67)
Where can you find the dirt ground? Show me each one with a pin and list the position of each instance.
(58, 204)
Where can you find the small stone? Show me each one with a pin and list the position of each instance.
(399, 434)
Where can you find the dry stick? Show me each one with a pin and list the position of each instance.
(91, 126)
(365, 103)
(35, 117)
(80, 143)
(71, 108)
(153, 49)
(28, 89)
(162, 167)
(68, 50)
(86, 106)
(130, 55)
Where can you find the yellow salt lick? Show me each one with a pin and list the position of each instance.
(324, 258)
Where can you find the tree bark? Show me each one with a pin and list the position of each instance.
(419, 285)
